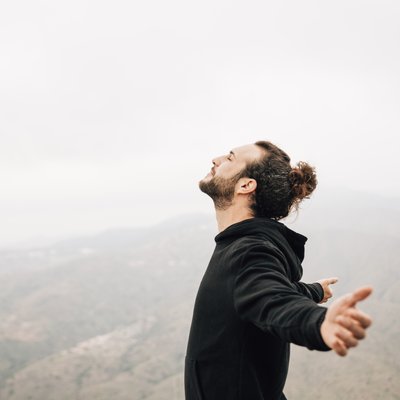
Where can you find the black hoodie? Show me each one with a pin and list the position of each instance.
(249, 307)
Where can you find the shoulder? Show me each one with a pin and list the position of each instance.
(252, 243)
(255, 248)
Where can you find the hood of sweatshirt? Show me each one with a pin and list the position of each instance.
(289, 242)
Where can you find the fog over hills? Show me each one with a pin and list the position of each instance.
(107, 316)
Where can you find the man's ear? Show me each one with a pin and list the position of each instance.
(246, 185)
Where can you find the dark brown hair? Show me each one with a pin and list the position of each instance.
(280, 188)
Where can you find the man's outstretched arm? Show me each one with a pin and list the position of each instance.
(264, 296)
(319, 291)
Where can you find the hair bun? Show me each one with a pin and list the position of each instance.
(303, 180)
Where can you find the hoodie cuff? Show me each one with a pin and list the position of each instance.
(314, 338)
(319, 291)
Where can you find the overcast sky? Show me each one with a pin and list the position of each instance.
(110, 111)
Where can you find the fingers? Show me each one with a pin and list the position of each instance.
(347, 338)
(345, 324)
(352, 326)
(327, 290)
(344, 341)
(363, 319)
(328, 281)
(339, 348)
(331, 281)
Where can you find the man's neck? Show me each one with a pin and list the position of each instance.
(230, 216)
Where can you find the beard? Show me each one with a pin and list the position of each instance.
(220, 190)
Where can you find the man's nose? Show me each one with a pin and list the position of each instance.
(217, 161)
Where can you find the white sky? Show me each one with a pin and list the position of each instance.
(110, 112)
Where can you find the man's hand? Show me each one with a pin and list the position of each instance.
(344, 325)
(327, 290)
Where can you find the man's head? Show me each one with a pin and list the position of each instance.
(225, 181)
(260, 177)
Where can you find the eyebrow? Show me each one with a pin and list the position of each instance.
(231, 152)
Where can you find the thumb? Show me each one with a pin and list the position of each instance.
(359, 294)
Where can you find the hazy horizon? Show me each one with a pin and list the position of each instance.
(309, 207)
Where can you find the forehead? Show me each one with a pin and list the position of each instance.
(248, 152)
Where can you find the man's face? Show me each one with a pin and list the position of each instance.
(220, 183)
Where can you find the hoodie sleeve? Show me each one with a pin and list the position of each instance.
(313, 291)
(264, 296)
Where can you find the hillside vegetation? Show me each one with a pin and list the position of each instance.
(107, 317)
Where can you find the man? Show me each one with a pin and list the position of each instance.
(251, 304)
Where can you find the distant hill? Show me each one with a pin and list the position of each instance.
(106, 317)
